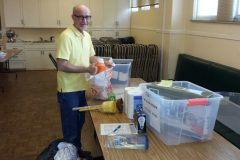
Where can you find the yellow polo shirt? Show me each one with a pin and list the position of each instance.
(77, 48)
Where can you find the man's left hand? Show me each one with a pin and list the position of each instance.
(109, 64)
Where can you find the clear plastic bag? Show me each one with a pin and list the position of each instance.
(100, 83)
(127, 141)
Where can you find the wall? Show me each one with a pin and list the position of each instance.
(215, 42)
(146, 26)
(212, 41)
(167, 32)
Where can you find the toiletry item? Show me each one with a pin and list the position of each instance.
(100, 65)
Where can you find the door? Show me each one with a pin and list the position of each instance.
(33, 59)
(123, 33)
(65, 9)
(123, 13)
(13, 13)
(110, 33)
(49, 13)
(47, 63)
(31, 16)
(96, 33)
(96, 8)
(110, 14)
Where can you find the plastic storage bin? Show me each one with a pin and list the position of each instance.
(229, 110)
(121, 72)
(181, 121)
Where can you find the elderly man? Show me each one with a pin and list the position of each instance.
(75, 56)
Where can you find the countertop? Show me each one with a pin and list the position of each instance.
(30, 43)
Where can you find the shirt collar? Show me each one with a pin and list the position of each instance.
(75, 31)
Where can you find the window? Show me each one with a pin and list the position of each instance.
(156, 6)
(144, 4)
(134, 9)
(217, 10)
(145, 8)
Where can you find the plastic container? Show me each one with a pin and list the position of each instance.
(127, 141)
(180, 121)
(229, 110)
(121, 72)
(100, 65)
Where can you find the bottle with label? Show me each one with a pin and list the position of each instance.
(100, 65)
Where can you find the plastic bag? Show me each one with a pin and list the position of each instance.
(127, 141)
(53, 150)
(67, 151)
(100, 84)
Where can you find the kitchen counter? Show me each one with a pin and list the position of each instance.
(34, 56)
(31, 43)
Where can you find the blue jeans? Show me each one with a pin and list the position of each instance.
(72, 121)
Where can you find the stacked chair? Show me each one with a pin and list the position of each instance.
(146, 59)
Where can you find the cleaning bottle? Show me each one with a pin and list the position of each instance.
(100, 65)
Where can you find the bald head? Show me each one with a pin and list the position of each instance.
(80, 8)
(81, 17)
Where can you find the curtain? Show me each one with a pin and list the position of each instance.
(141, 3)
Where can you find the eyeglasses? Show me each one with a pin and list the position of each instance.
(82, 17)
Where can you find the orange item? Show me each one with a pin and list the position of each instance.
(100, 65)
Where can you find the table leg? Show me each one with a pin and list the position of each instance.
(7, 70)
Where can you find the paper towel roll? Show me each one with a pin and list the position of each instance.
(134, 98)
(125, 97)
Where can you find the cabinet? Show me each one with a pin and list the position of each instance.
(13, 7)
(21, 13)
(116, 33)
(96, 8)
(96, 33)
(116, 14)
(116, 18)
(17, 61)
(109, 14)
(84, 2)
(31, 18)
(56, 13)
(37, 57)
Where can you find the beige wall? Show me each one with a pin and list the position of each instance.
(167, 33)
(215, 42)
(211, 41)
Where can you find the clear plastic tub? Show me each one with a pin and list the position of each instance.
(229, 110)
(181, 121)
(121, 72)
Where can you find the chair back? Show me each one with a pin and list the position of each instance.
(53, 60)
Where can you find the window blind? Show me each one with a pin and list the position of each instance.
(217, 10)
(227, 10)
(141, 3)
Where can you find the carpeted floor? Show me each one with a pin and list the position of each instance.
(29, 116)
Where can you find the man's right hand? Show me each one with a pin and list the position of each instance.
(92, 69)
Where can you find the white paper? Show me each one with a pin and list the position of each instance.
(152, 111)
(126, 128)
(114, 74)
(123, 76)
